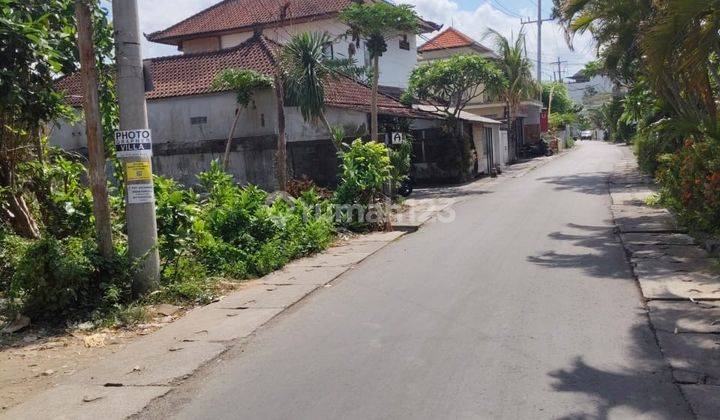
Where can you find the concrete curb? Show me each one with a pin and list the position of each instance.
(677, 285)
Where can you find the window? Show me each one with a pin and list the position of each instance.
(328, 50)
(404, 44)
(198, 120)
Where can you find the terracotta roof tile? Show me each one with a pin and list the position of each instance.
(235, 14)
(449, 38)
(193, 74)
(232, 15)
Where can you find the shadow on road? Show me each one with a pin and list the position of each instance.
(593, 183)
(605, 260)
(646, 385)
(629, 389)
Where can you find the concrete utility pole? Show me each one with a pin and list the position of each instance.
(559, 69)
(539, 23)
(93, 130)
(140, 200)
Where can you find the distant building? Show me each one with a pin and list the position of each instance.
(590, 92)
(453, 42)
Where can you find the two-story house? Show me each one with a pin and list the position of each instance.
(453, 42)
(190, 120)
(230, 22)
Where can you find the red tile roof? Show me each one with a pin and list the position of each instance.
(233, 15)
(450, 38)
(193, 74)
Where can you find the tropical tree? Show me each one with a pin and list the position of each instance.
(616, 26)
(375, 23)
(681, 49)
(37, 46)
(517, 70)
(665, 53)
(245, 83)
(556, 98)
(306, 71)
(452, 83)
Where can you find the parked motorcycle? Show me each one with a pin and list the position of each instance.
(405, 188)
(541, 148)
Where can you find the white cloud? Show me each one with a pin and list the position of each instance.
(156, 15)
(476, 22)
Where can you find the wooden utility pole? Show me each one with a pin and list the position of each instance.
(140, 200)
(93, 129)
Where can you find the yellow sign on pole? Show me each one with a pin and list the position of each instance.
(138, 171)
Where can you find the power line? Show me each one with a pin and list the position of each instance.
(504, 9)
(539, 23)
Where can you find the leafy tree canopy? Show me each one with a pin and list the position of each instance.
(243, 82)
(453, 82)
(377, 21)
(36, 45)
(593, 68)
(561, 102)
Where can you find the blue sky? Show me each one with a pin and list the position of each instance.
(473, 17)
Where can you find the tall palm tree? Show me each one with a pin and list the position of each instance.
(615, 25)
(671, 44)
(681, 48)
(517, 70)
(306, 72)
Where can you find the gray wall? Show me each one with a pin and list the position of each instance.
(183, 147)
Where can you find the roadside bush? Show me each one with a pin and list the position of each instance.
(570, 142)
(12, 248)
(401, 161)
(176, 210)
(216, 230)
(690, 181)
(365, 170)
(64, 279)
(230, 231)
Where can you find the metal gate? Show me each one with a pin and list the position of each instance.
(490, 149)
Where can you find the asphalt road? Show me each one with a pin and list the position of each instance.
(522, 307)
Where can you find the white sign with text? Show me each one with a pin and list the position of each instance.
(133, 143)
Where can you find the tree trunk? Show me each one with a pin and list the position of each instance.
(374, 100)
(14, 210)
(336, 142)
(20, 218)
(228, 143)
(281, 143)
(93, 131)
